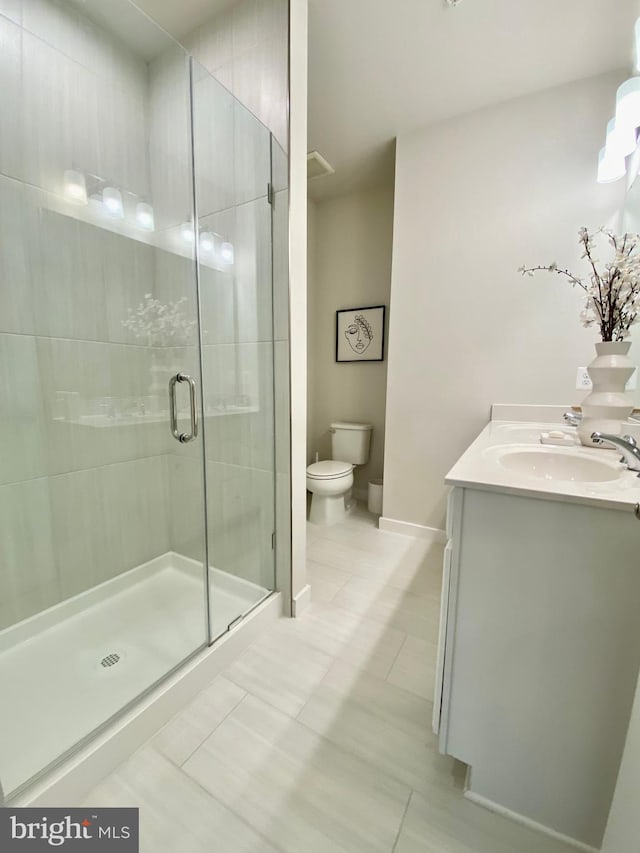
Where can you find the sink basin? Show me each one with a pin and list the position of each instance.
(559, 464)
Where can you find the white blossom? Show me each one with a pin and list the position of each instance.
(161, 324)
(612, 294)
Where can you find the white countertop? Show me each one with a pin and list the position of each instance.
(480, 467)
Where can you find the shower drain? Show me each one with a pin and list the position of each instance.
(110, 660)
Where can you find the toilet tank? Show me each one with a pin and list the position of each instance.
(350, 442)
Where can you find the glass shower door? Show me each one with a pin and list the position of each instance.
(232, 167)
(102, 534)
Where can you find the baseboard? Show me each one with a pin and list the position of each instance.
(301, 601)
(530, 824)
(68, 784)
(417, 531)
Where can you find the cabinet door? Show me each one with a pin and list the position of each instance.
(442, 638)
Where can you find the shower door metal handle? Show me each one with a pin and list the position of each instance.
(183, 437)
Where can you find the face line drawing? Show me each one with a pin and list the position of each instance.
(359, 334)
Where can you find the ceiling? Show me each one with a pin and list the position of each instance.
(378, 68)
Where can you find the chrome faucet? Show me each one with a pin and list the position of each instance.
(627, 444)
(572, 418)
(575, 418)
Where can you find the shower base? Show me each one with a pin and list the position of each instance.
(66, 671)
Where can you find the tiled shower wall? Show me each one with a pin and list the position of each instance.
(232, 152)
(245, 47)
(78, 503)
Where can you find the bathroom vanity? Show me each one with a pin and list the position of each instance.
(540, 633)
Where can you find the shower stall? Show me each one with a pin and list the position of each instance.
(140, 300)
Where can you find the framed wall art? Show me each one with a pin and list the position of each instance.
(360, 334)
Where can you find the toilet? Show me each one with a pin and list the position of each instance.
(330, 481)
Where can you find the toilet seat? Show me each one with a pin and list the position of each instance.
(329, 469)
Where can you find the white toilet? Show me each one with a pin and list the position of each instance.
(330, 481)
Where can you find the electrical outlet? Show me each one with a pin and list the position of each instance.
(583, 383)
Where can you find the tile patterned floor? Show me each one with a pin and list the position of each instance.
(318, 738)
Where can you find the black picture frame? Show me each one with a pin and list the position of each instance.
(360, 334)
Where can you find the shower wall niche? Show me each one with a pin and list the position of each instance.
(136, 244)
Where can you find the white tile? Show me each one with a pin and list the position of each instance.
(246, 25)
(86, 533)
(173, 280)
(370, 645)
(141, 501)
(131, 270)
(419, 623)
(186, 518)
(107, 520)
(292, 785)
(11, 9)
(215, 41)
(321, 591)
(88, 390)
(252, 160)
(16, 235)
(175, 813)
(241, 521)
(239, 405)
(444, 820)
(188, 729)
(327, 574)
(260, 671)
(416, 570)
(53, 85)
(237, 302)
(314, 532)
(214, 145)
(22, 432)
(11, 99)
(415, 667)
(69, 278)
(248, 72)
(28, 576)
(388, 727)
(345, 557)
(217, 295)
(169, 139)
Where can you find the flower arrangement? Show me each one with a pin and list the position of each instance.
(160, 324)
(613, 290)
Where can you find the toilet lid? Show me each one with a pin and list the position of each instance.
(329, 468)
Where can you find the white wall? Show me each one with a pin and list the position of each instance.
(475, 198)
(351, 269)
(311, 289)
(298, 25)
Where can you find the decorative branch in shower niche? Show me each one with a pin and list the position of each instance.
(160, 324)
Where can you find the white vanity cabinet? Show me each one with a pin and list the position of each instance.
(539, 654)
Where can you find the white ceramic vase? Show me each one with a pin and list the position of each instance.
(607, 406)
